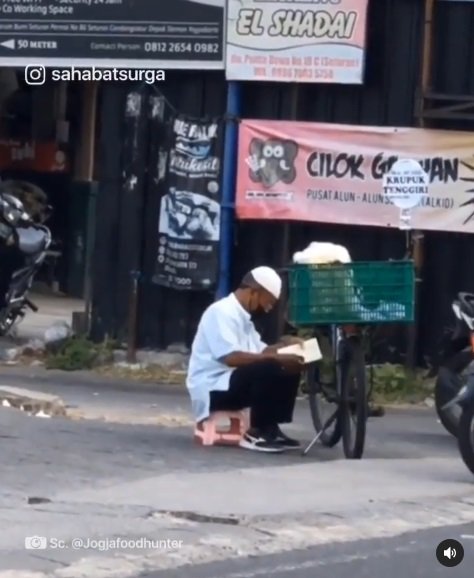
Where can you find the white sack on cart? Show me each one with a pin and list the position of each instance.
(322, 253)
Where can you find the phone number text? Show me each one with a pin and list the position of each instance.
(183, 47)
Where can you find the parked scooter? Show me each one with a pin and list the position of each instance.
(454, 364)
(465, 401)
(23, 248)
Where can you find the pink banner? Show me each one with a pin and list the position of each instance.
(329, 173)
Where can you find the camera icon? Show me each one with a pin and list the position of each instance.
(35, 75)
(36, 543)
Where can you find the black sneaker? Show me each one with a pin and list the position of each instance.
(259, 443)
(284, 441)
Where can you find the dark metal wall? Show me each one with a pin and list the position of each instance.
(453, 66)
(448, 256)
(386, 98)
(126, 148)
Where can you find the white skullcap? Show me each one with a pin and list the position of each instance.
(268, 279)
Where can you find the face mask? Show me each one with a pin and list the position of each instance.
(258, 314)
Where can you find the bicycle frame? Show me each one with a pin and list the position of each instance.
(338, 334)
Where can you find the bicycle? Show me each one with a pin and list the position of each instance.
(347, 298)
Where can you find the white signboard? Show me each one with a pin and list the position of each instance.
(405, 184)
(317, 41)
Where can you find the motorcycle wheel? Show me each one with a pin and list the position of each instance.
(466, 436)
(448, 384)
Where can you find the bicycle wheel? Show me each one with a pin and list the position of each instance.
(466, 437)
(354, 407)
(322, 405)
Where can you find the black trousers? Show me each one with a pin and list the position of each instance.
(266, 388)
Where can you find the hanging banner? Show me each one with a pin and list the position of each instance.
(319, 41)
(189, 225)
(329, 173)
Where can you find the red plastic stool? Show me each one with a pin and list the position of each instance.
(208, 433)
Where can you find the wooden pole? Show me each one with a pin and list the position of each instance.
(427, 58)
(62, 125)
(85, 172)
(86, 153)
(417, 236)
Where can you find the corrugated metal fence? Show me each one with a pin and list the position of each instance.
(128, 216)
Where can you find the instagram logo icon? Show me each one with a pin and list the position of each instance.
(35, 74)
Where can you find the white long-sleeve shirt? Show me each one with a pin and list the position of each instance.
(225, 327)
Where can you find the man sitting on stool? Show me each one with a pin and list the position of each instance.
(231, 368)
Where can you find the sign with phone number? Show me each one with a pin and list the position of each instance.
(121, 33)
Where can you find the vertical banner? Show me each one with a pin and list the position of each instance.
(318, 41)
(189, 224)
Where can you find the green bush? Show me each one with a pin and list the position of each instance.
(394, 383)
(387, 383)
(78, 353)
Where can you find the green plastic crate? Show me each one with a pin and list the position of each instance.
(354, 293)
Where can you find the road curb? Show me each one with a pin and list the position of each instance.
(32, 402)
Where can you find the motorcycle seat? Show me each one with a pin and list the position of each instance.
(466, 302)
(31, 240)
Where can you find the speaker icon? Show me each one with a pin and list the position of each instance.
(450, 553)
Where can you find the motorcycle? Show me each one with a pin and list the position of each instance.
(465, 401)
(23, 247)
(454, 363)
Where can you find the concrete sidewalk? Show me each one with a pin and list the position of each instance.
(51, 309)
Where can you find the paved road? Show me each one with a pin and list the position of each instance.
(109, 480)
(404, 433)
(42, 457)
(411, 556)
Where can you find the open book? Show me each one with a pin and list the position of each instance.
(309, 351)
